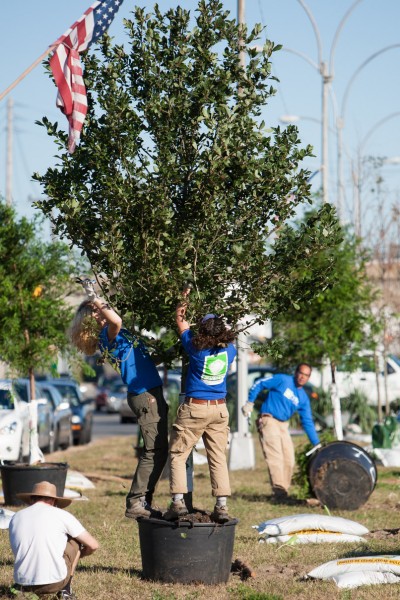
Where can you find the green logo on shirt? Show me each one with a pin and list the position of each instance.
(215, 368)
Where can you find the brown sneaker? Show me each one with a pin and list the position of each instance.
(220, 514)
(138, 508)
(176, 510)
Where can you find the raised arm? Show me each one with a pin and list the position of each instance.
(180, 315)
(113, 321)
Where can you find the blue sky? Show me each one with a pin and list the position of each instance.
(27, 28)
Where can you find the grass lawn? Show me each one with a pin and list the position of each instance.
(114, 571)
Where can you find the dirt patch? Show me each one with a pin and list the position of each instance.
(199, 516)
(383, 534)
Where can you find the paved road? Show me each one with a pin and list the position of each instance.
(105, 425)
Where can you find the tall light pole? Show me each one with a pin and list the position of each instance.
(327, 75)
(241, 452)
(357, 175)
(9, 161)
(341, 121)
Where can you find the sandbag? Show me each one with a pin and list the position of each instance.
(357, 578)
(294, 523)
(313, 537)
(381, 563)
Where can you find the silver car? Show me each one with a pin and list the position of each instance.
(61, 417)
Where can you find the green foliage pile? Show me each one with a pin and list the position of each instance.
(177, 178)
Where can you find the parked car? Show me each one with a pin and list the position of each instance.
(14, 424)
(110, 392)
(82, 410)
(172, 388)
(61, 417)
(14, 419)
(44, 411)
(364, 379)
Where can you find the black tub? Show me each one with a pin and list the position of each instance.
(186, 553)
(21, 477)
(342, 475)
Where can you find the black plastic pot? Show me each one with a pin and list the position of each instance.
(21, 477)
(186, 552)
(342, 475)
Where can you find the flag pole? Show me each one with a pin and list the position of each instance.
(28, 70)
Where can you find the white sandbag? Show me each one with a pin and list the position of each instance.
(5, 517)
(381, 563)
(78, 481)
(357, 578)
(313, 537)
(292, 524)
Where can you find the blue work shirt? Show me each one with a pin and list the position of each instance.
(283, 400)
(206, 377)
(128, 355)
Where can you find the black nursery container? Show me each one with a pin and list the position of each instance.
(21, 477)
(186, 552)
(342, 475)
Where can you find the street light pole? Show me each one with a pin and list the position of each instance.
(327, 74)
(357, 173)
(339, 126)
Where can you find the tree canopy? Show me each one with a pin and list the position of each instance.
(34, 275)
(338, 323)
(178, 178)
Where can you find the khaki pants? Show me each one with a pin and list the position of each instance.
(72, 549)
(194, 421)
(277, 447)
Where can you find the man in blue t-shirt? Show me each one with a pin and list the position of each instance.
(130, 357)
(285, 397)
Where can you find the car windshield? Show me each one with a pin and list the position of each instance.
(6, 399)
(69, 392)
(21, 390)
(395, 359)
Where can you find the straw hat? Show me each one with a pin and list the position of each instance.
(47, 490)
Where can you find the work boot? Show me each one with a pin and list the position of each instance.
(279, 496)
(66, 595)
(220, 514)
(176, 510)
(138, 508)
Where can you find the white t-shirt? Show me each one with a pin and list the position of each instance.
(38, 536)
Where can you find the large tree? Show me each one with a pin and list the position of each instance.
(34, 315)
(337, 324)
(177, 177)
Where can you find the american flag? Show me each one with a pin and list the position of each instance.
(67, 68)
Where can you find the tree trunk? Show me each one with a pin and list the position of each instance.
(335, 398)
(378, 387)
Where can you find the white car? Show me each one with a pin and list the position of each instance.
(15, 417)
(365, 379)
(14, 425)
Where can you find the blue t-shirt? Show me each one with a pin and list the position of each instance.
(130, 357)
(283, 400)
(208, 369)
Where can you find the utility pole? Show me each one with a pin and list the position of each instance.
(9, 161)
(241, 454)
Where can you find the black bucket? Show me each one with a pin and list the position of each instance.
(186, 552)
(342, 475)
(20, 477)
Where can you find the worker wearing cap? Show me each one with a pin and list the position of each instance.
(204, 413)
(285, 397)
